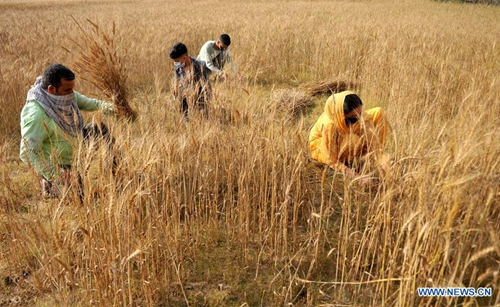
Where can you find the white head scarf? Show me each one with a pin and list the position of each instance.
(61, 108)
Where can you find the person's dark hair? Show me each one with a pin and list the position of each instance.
(53, 74)
(225, 39)
(178, 50)
(351, 102)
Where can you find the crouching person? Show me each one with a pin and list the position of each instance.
(345, 137)
(52, 124)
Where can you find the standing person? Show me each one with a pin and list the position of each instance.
(216, 54)
(51, 122)
(191, 83)
(345, 137)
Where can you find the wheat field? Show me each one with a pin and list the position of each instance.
(229, 211)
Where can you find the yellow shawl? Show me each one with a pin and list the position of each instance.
(336, 144)
(334, 109)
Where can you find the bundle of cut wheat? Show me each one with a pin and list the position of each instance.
(100, 64)
(329, 87)
(292, 101)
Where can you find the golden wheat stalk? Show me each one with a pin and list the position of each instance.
(100, 64)
(296, 101)
(329, 87)
(292, 101)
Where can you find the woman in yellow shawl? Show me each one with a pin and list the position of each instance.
(345, 136)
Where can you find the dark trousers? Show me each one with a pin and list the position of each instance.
(201, 105)
(100, 132)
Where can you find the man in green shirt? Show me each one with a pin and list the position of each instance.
(51, 122)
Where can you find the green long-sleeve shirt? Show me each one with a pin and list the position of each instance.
(44, 144)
